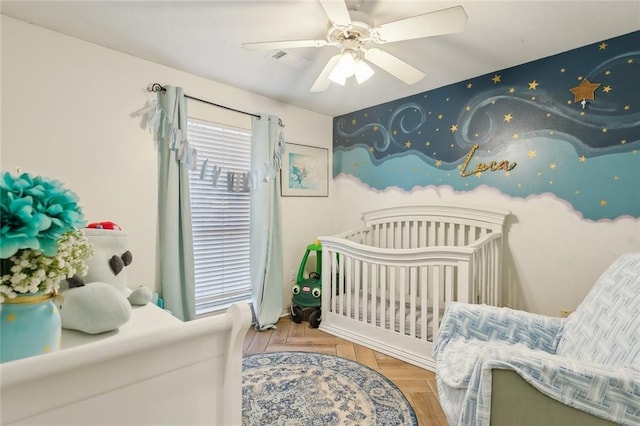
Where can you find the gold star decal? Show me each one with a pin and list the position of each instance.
(375, 127)
(603, 203)
(602, 46)
(583, 159)
(607, 72)
(605, 130)
(440, 116)
(606, 89)
(585, 90)
(407, 144)
(371, 149)
(454, 128)
(532, 154)
(438, 163)
(11, 317)
(623, 141)
(512, 90)
(467, 108)
(616, 178)
(427, 143)
(353, 121)
(627, 107)
(562, 70)
(469, 85)
(630, 60)
(533, 85)
(552, 166)
(496, 79)
(515, 136)
(508, 118)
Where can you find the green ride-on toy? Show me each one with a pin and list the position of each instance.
(307, 292)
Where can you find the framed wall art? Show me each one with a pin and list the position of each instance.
(305, 171)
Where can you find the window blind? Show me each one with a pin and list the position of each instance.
(220, 214)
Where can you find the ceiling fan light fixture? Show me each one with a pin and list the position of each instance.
(343, 69)
(363, 71)
(350, 64)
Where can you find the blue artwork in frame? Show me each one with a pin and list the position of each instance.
(305, 171)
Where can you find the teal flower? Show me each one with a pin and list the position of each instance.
(34, 213)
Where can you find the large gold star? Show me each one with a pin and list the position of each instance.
(585, 90)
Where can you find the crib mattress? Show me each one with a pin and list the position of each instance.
(408, 319)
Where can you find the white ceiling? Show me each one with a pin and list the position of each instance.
(204, 38)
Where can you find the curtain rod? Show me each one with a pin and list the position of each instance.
(157, 87)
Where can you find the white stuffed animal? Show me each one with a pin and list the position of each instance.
(104, 303)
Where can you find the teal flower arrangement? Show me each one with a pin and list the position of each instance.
(40, 241)
(34, 213)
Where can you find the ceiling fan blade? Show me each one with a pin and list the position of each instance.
(337, 12)
(285, 44)
(394, 66)
(323, 82)
(443, 21)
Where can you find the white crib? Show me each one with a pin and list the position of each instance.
(386, 285)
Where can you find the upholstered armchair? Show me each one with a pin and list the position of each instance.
(501, 366)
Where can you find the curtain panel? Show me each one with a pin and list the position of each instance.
(267, 276)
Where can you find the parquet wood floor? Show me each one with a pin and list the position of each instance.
(417, 384)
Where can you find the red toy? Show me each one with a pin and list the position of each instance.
(105, 225)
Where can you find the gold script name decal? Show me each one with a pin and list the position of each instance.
(481, 167)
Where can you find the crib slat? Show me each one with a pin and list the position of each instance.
(403, 300)
(464, 282)
(392, 299)
(341, 283)
(424, 304)
(412, 298)
(435, 278)
(364, 295)
(348, 286)
(383, 296)
(334, 276)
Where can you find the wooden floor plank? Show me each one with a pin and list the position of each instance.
(366, 356)
(346, 350)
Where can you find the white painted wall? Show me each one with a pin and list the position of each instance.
(66, 108)
(553, 256)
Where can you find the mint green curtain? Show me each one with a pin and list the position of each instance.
(267, 276)
(175, 261)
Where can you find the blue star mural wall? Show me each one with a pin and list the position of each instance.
(567, 125)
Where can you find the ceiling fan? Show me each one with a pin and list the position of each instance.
(352, 31)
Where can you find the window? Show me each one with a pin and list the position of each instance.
(220, 214)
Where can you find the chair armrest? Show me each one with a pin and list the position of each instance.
(490, 323)
(516, 402)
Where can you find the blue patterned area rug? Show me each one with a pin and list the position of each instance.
(305, 388)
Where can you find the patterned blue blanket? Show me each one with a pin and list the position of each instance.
(474, 339)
